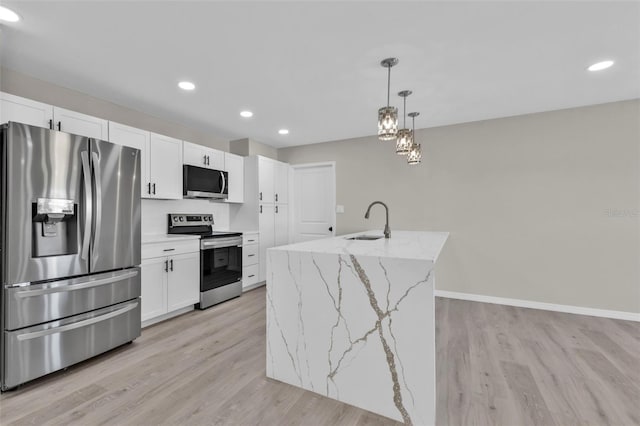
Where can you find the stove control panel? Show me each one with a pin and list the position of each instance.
(176, 220)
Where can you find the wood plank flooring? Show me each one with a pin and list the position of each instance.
(496, 365)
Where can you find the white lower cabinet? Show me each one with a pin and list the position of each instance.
(250, 259)
(170, 278)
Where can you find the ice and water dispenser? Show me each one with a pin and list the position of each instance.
(54, 227)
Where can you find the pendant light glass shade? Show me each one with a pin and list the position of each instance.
(388, 116)
(387, 123)
(415, 154)
(415, 150)
(404, 142)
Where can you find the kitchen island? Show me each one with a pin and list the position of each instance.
(354, 320)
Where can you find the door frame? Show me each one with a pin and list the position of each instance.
(292, 194)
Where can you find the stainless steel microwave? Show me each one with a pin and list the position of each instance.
(198, 182)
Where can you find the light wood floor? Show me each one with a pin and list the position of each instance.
(496, 365)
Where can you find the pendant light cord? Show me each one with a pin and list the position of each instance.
(404, 113)
(388, 84)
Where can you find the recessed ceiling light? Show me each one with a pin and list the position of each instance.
(8, 15)
(246, 114)
(283, 131)
(599, 66)
(186, 85)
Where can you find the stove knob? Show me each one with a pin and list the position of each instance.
(175, 218)
(181, 219)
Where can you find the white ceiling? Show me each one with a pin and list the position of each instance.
(313, 67)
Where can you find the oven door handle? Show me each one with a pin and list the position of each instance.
(220, 244)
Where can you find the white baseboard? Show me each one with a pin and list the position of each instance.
(167, 316)
(629, 316)
(252, 286)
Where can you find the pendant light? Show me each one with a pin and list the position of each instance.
(388, 116)
(405, 136)
(415, 152)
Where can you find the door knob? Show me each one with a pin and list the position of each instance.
(331, 229)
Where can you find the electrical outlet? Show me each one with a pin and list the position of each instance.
(339, 208)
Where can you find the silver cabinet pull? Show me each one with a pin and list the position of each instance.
(250, 255)
(80, 324)
(276, 198)
(172, 249)
(171, 263)
(79, 286)
(154, 189)
(276, 209)
(260, 196)
(252, 275)
(166, 266)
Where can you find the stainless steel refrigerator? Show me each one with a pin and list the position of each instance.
(70, 232)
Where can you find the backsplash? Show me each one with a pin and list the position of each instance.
(154, 213)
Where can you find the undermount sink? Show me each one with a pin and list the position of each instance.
(365, 237)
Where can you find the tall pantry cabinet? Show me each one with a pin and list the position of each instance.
(266, 205)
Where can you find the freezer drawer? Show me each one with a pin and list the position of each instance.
(35, 351)
(40, 303)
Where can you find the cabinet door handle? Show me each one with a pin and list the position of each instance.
(204, 160)
(169, 249)
(154, 189)
(149, 189)
(59, 125)
(252, 275)
(250, 241)
(276, 209)
(260, 209)
(51, 124)
(250, 255)
(276, 198)
(171, 263)
(166, 266)
(260, 198)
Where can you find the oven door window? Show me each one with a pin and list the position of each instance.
(220, 266)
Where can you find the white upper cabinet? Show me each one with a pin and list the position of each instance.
(266, 171)
(134, 138)
(21, 110)
(165, 168)
(281, 182)
(201, 156)
(234, 164)
(80, 124)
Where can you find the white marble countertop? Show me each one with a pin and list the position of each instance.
(418, 245)
(166, 238)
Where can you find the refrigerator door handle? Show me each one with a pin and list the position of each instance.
(79, 324)
(88, 213)
(97, 175)
(84, 285)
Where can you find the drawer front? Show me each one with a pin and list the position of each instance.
(151, 250)
(35, 351)
(39, 303)
(250, 238)
(250, 275)
(250, 255)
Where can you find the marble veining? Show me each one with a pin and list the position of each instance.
(356, 328)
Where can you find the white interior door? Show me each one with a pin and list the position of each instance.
(314, 201)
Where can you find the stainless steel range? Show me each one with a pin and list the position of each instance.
(220, 257)
(70, 235)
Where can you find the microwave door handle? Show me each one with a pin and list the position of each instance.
(88, 211)
(224, 182)
(97, 175)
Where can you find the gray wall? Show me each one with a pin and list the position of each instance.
(541, 207)
(23, 85)
(246, 147)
